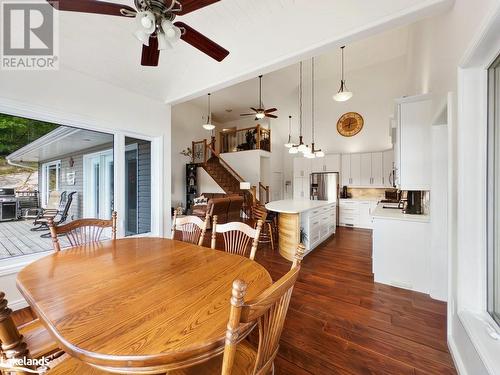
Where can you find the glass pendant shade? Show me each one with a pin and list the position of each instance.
(343, 94)
(172, 32)
(293, 150)
(145, 22)
(163, 43)
(302, 148)
(208, 126)
(309, 155)
(319, 154)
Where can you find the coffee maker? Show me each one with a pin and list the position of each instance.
(414, 203)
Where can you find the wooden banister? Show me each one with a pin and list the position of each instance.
(263, 193)
(236, 139)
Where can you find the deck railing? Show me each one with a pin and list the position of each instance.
(253, 138)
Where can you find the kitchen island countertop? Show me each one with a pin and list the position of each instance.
(295, 206)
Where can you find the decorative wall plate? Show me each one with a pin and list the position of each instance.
(350, 124)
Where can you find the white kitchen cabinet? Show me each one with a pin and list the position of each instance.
(388, 167)
(346, 169)
(329, 163)
(366, 169)
(356, 213)
(414, 143)
(377, 169)
(355, 170)
(301, 167)
(319, 224)
(300, 187)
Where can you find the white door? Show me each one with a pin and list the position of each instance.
(366, 169)
(355, 169)
(346, 169)
(377, 169)
(98, 185)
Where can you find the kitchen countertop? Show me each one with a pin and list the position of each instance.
(295, 206)
(397, 214)
(361, 199)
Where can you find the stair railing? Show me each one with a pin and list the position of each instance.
(211, 150)
(263, 193)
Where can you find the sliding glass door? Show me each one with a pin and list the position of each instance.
(98, 185)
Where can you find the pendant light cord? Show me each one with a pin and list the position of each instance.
(342, 62)
(260, 92)
(300, 99)
(209, 108)
(312, 101)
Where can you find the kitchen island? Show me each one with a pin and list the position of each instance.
(317, 220)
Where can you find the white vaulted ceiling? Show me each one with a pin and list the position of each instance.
(262, 35)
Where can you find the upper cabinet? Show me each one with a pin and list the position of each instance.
(413, 143)
(329, 163)
(367, 169)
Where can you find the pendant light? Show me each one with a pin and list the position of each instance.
(301, 147)
(344, 94)
(209, 125)
(313, 152)
(289, 144)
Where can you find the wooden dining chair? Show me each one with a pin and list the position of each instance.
(237, 237)
(192, 227)
(30, 340)
(82, 231)
(268, 310)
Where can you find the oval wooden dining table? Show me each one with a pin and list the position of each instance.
(141, 305)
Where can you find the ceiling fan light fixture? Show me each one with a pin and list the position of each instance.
(146, 21)
(260, 115)
(163, 42)
(142, 37)
(172, 32)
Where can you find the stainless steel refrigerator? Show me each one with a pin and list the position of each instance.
(324, 187)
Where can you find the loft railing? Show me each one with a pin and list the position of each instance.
(253, 138)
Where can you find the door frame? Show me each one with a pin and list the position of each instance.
(87, 212)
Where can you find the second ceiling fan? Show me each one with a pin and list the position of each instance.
(261, 112)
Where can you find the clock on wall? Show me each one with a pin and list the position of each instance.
(350, 124)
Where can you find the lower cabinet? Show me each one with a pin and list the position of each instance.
(318, 224)
(356, 213)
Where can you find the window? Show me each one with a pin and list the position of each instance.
(98, 178)
(137, 186)
(494, 190)
(51, 179)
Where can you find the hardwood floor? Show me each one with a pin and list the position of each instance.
(341, 322)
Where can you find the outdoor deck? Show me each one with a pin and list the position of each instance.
(17, 239)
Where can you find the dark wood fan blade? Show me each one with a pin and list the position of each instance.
(202, 43)
(271, 116)
(91, 6)
(189, 6)
(270, 110)
(150, 54)
(256, 110)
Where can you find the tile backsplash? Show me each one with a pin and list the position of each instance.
(359, 193)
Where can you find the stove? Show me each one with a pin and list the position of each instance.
(8, 204)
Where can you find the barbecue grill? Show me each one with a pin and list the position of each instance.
(8, 204)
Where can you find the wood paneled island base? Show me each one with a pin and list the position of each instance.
(289, 234)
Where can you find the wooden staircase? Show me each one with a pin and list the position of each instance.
(224, 178)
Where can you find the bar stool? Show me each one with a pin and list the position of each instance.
(268, 230)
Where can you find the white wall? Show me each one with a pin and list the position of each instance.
(246, 164)
(206, 184)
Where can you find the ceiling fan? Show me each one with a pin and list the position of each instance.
(156, 28)
(261, 112)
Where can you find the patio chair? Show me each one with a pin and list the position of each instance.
(55, 198)
(58, 216)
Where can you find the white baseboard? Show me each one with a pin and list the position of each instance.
(455, 355)
(18, 305)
